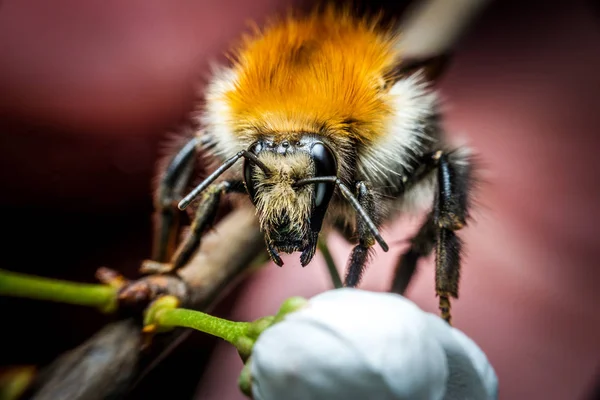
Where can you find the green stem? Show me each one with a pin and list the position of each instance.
(15, 284)
(333, 272)
(289, 306)
(245, 380)
(228, 330)
(163, 315)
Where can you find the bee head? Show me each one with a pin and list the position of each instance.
(290, 215)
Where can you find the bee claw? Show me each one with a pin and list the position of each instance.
(310, 250)
(274, 255)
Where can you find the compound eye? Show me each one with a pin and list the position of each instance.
(249, 179)
(325, 162)
(325, 165)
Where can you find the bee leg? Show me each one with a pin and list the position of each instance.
(450, 215)
(172, 183)
(360, 253)
(421, 246)
(203, 219)
(447, 270)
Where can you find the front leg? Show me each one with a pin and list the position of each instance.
(203, 219)
(172, 183)
(366, 240)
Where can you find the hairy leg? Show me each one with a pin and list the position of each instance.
(203, 219)
(366, 240)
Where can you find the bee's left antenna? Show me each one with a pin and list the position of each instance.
(212, 177)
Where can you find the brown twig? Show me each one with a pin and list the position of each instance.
(99, 368)
(105, 365)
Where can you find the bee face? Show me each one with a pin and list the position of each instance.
(291, 215)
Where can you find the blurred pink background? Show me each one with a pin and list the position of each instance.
(87, 91)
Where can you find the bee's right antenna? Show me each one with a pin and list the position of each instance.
(353, 202)
(212, 177)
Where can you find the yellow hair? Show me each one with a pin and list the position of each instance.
(328, 69)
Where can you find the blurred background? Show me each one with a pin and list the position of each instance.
(88, 91)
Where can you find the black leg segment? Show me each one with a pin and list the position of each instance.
(170, 190)
(421, 246)
(203, 219)
(366, 240)
(447, 269)
(453, 187)
(450, 215)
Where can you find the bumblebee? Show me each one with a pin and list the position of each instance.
(332, 132)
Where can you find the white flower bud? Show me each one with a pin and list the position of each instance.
(354, 344)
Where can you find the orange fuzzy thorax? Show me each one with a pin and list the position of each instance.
(299, 74)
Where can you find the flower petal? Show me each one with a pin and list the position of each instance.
(350, 344)
(471, 374)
